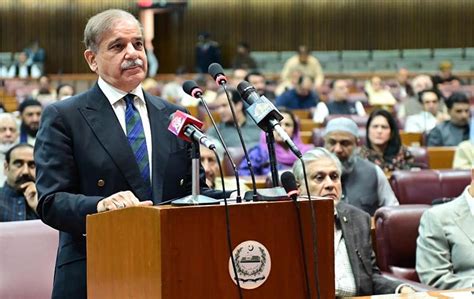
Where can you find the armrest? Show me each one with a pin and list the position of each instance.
(419, 287)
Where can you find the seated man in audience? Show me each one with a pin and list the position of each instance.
(445, 245)
(339, 103)
(257, 80)
(356, 270)
(365, 184)
(301, 97)
(426, 120)
(445, 78)
(8, 138)
(454, 131)
(378, 94)
(306, 63)
(464, 155)
(213, 176)
(250, 131)
(411, 105)
(30, 113)
(18, 197)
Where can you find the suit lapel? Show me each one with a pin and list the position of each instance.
(104, 123)
(161, 140)
(464, 219)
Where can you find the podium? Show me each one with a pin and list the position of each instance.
(181, 252)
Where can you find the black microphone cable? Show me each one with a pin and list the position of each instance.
(191, 88)
(313, 231)
(227, 226)
(216, 71)
(285, 177)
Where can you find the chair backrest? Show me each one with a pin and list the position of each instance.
(420, 154)
(27, 258)
(237, 154)
(423, 186)
(394, 255)
(441, 157)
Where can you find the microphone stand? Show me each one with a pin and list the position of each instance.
(271, 153)
(234, 167)
(195, 198)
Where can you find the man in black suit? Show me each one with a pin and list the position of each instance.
(356, 270)
(86, 161)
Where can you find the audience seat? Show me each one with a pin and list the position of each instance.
(423, 186)
(420, 154)
(27, 259)
(396, 231)
(237, 154)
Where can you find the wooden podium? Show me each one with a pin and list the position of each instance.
(181, 252)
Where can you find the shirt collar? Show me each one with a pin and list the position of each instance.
(114, 94)
(469, 199)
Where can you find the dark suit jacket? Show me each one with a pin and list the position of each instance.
(355, 226)
(82, 155)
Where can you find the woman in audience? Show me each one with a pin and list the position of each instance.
(285, 158)
(383, 144)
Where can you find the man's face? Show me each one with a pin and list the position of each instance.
(21, 168)
(31, 117)
(223, 109)
(340, 90)
(430, 102)
(402, 75)
(323, 179)
(209, 163)
(459, 114)
(8, 131)
(342, 144)
(305, 88)
(121, 59)
(258, 82)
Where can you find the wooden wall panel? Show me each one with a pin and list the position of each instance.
(268, 25)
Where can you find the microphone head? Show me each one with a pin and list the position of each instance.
(245, 89)
(217, 73)
(179, 121)
(190, 87)
(288, 181)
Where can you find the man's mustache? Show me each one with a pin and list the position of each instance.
(24, 179)
(128, 64)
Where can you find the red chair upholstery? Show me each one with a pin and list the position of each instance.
(237, 154)
(423, 186)
(27, 259)
(420, 154)
(396, 231)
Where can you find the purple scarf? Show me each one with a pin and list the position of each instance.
(284, 155)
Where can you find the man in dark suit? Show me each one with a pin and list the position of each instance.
(356, 270)
(86, 151)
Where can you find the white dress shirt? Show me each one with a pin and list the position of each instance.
(116, 99)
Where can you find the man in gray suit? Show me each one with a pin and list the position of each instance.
(445, 245)
(356, 271)
(364, 183)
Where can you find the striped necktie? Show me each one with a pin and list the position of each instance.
(136, 138)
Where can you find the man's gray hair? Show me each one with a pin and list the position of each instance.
(103, 22)
(9, 116)
(314, 155)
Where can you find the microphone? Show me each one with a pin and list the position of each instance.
(265, 114)
(217, 73)
(190, 87)
(188, 128)
(288, 181)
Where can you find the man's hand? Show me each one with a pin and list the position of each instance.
(407, 290)
(121, 200)
(30, 194)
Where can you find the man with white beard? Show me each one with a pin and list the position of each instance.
(364, 183)
(8, 138)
